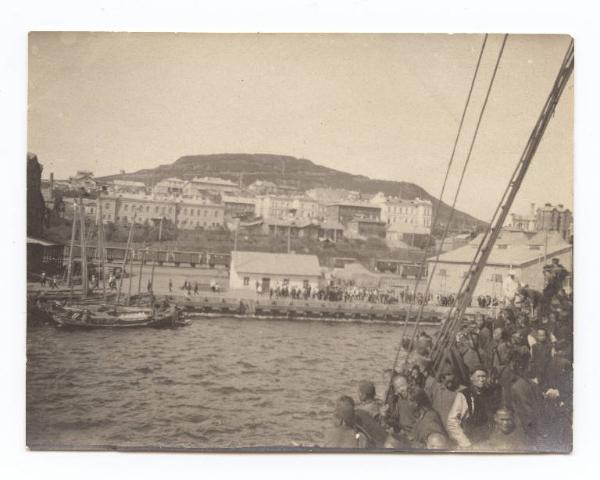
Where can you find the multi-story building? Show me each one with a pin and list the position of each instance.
(144, 208)
(307, 208)
(198, 186)
(554, 219)
(83, 180)
(406, 216)
(169, 187)
(346, 212)
(239, 207)
(206, 215)
(274, 206)
(127, 186)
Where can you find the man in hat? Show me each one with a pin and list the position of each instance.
(469, 418)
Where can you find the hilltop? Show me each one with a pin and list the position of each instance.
(282, 169)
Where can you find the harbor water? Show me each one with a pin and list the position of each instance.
(218, 383)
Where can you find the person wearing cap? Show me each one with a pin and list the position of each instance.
(368, 401)
(469, 418)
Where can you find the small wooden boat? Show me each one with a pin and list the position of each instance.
(111, 316)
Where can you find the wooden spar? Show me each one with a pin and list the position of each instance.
(72, 246)
(142, 260)
(101, 248)
(84, 272)
(125, 260)
(155, 260)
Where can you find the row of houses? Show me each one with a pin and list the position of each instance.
(209, 202)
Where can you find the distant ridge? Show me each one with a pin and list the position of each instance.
(299, 172)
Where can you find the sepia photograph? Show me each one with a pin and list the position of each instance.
(311, 242)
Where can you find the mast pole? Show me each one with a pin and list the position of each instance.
(101, 247)
(71, 247)
(125, 260)
(142, 260)
(83, 250)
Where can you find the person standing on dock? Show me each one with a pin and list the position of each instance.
(170, 285)
(43, 279)
(196, 289)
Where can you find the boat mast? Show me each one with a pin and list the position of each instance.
(155, 258)
(125, 260)
(142, 260)
(71, 248)
(101, 247)
(83, 251)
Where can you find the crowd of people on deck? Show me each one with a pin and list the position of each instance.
(506, 385)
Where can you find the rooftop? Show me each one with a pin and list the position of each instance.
(511, 255)
(275, 263)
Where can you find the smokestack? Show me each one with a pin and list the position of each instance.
(51, 184)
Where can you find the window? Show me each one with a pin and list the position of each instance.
(216, 213)
(125, 207)
(442, 272)
(147, 208)
(496, 277)
(305, 283)
(246, 281)
(156, 209)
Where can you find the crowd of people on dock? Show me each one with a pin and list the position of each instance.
(351, 293)
(507, 386)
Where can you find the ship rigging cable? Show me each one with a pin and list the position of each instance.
(439, 198)
(458, 188)
(453, 323)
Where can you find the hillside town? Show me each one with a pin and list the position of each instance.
(327, 216)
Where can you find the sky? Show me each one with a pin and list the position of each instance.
(386, 105)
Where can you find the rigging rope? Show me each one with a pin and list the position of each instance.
(458, 188)
(450, 328)
(439, 198)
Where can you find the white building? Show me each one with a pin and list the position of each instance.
(169, 186)
(273, 269)
(201, 185)
(406, 216)
(524, 256)
(127, 186)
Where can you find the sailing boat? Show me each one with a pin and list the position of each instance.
(93, 315)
